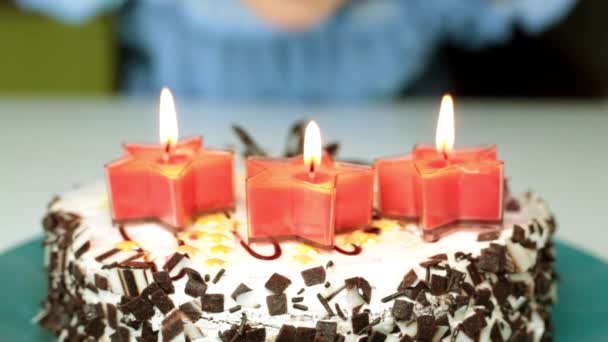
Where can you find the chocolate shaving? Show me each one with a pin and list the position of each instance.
(421, 299)
(147, 334)
(439, 285)
(219, 274)
(277, 304)
(519, 234)
(488, 236)
(377, 336)
(325, 304)
(195, 288)
(502, 289)
(192, 310)
(120, 335)
(492, 259)
(173, 261)
(212, 303)
(408, 280)
(277, 283)
(476, 277)
(147, 292)
(162, 301)
(287, 333)
(163, 280)
(141, 309)
(255, 335)
(431, 263)
(363, 287)
(496, 335)
(340, 312)
(326, 331)
(95, 328)
(482, 297)
(172, 326)
(242, 288)
(101, 282)
(426, 327)
(392, 296)
(314, 276)
(300, 307)
(402, 310)
(472, 325)
(107, 254)
(305, 334)
(83, 249)
(359, 322)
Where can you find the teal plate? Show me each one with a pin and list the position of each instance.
(580, 315)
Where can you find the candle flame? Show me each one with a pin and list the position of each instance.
(444, 137)
(168, 119)
(312, 145)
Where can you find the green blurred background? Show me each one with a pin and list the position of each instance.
(41, 56)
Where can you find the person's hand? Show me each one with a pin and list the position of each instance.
(294, 15)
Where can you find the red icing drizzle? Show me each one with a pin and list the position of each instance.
(277, 249)
(356, 250)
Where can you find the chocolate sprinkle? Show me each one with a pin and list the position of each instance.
(212, 303)
(297, 299)
(277, 304)
(326, 331)
(195, 288)
(314, 276)
(325, 304)
(163, 280)
(287, 333)
(363, 287)
(120, 335)
(408, 280)
(83, 249)
(95, 328)
(488, 236)
(377, 336)
(192, 310)
(359, 322)
(242, 288)
(340, 312)
(304, 334)
(392, 296)
(426, 327)
(101, 282)
(439, 285)
(140, 308)
(234, 309)
(172, 326)
(162, 301)
(476, 277)
(402, 310)
(300, 307)
(301, 291)
(219, 274)
(173, 261)
(277, 283)
(107, 254)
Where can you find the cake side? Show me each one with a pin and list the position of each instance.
(143, 282)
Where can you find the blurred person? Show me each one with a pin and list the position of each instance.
(297, 49)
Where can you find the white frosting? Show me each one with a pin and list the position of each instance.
(383, 262)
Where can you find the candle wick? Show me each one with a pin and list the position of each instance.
(311, 170)
(167, 152)
(445, 154)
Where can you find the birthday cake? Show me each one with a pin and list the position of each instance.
(144, 282)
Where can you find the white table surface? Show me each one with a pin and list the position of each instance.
(556, 149)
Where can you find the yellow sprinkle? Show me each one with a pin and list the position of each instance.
(306, 249)
(211, 262)
(216, 237)
(126, 245)
(220, 249)
(214, 219)
(302, 259)
(360, 238)
(190, 250)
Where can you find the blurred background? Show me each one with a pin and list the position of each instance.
(322, 51)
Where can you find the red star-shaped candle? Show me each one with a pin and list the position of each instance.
(441, 186)
(308, 196)
(172, 181)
